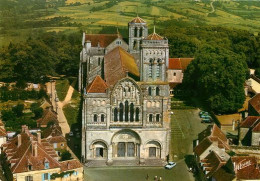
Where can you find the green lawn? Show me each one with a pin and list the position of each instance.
(62, 87)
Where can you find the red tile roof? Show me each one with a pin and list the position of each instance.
(256, 128)
(103, 40)
(137, 20)
(175, 63)
(222, 175)
(119, 63)
(70, 165)
(202, 146)
(53, 130)
(217, 133)
(255, 102)
(2, 132)
(48, 116)
(154, 36)
(185, 62)
(25, 150)
(56, 139)
(179, 63)
(213, 162)
(249, 121)
(246, 167)
(98, 85)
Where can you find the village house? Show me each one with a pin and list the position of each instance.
(216, 141)
(176, 69)
(249, 131)
(254, 106)
(3, 135)
(32, 158)
(48, 117)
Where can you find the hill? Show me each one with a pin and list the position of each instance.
(23, 18)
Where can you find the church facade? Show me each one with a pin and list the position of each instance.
(126, 104)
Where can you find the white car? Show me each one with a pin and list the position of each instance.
(170, 165)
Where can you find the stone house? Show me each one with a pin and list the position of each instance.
(254, 106)
(48, 117)
(32, 158)
(3, 135)
(216, 141)
(249, 134)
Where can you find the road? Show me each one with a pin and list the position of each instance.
(57, 106)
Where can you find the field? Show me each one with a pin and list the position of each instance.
(92, 15)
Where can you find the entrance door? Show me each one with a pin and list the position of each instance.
(130, 149)
(121, 149)
(99, 152)
(152, 151)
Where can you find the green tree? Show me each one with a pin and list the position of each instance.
(217, 76)
(65, 155)
(18, 110)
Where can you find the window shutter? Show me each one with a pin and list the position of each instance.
(43, 177)
(49, 176)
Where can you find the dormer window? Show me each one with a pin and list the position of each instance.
(118, 42)
(30, 167)
(46, 165)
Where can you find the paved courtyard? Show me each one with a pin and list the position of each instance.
(185, 128)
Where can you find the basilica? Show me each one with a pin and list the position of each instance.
(126, 101)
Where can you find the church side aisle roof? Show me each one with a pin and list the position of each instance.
(102, 39)
(98, 85)
(118, 63)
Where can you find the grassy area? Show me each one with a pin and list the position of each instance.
(62, 87)
(91, 16)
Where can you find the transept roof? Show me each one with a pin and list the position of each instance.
(103, 40)
(98, 85)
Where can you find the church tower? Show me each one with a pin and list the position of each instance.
(137, 31)
(154, 58)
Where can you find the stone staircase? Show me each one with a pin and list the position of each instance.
(154, 162)
(134, 162)
(176, 131)
(96, 163)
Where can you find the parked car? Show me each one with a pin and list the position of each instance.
(206, 120)
(170, 165)
(206, 116)
(203, 113)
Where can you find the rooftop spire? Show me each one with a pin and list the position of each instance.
(154, 25)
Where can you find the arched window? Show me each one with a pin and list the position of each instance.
(131, 112)
(149, 91)
(135, 32)
(95, 118)
(158, 72)
(121, 112)
(102, 118)
(126, 110)
(157, 91)
(115, 115)
(157, 117)
(135, 45)
(150, 118)
(137, 114)
(151, 67)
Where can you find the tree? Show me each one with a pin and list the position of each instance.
(65, 155)
(18, 110)
(8, 115)
(217, 76)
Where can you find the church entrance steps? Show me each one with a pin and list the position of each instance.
(96, 163)
(126, 162)
(154, 162)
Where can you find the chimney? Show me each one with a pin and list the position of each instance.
(39, 137)
(19, 137)
(34, 148)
